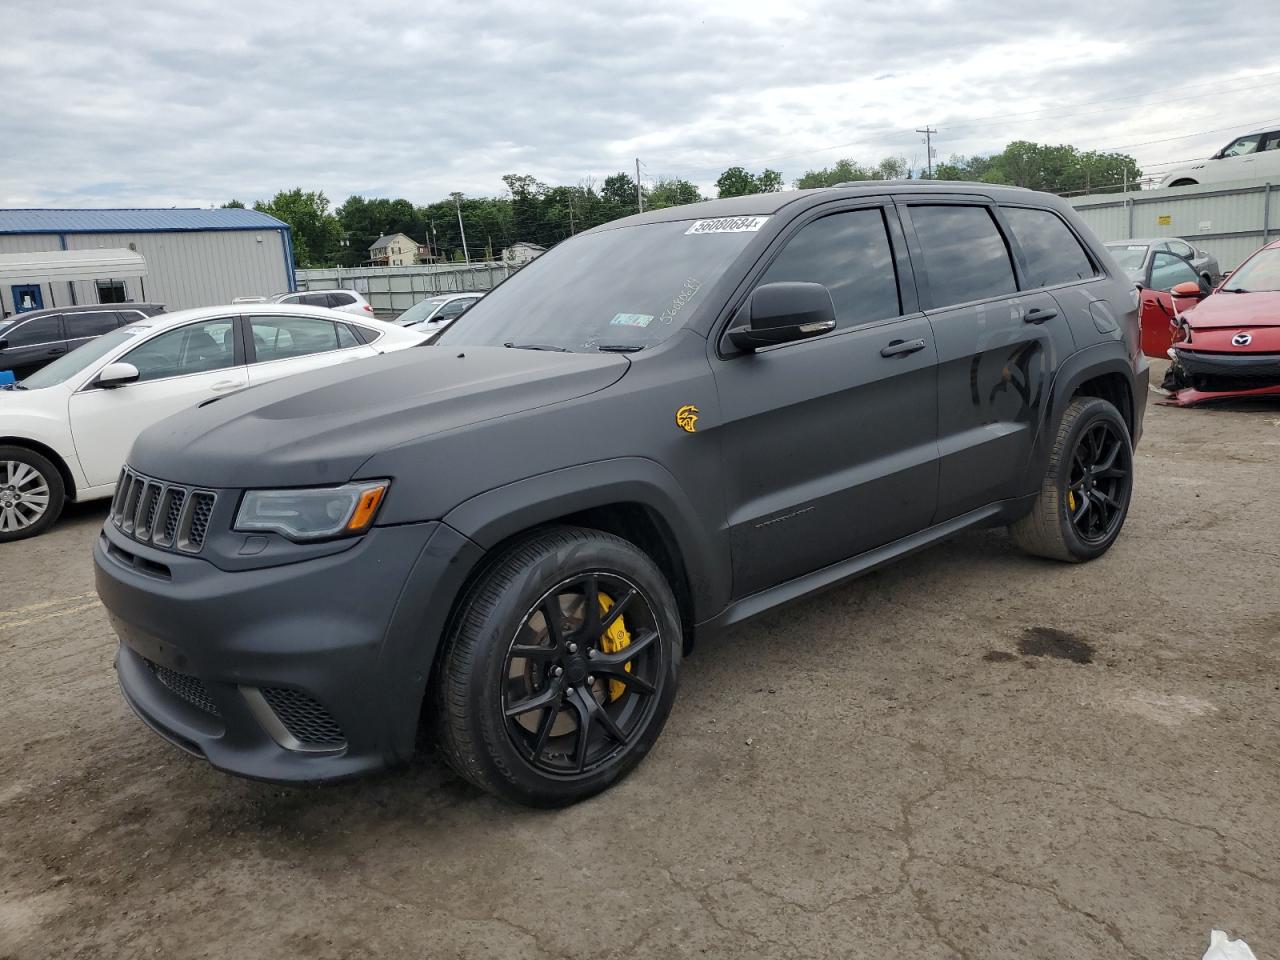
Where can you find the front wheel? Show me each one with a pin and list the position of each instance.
(560, 668)
(1084, 497)
(31, 493)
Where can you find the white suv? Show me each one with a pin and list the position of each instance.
(348, 301)
(68, 427)
(1255, 155)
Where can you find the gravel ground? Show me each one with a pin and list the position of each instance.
(969, 754)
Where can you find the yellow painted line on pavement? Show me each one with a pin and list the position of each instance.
(7, 624)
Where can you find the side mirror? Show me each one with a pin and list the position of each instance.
(4, 344)
(1188, 289)
(783, 312)
(116, 375)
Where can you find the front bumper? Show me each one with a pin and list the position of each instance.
(1244, 369)
(301, 672)
(1213, 376)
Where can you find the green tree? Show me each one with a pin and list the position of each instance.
(669, 192)
(850, 171)
(736, 182)
(316, 232)
(233, 203)
(1058, 168)
(620, 190)
(769, 181)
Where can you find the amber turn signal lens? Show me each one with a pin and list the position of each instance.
(365, 509)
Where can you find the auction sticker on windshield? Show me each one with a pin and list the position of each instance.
(631, 320)
(727, 225)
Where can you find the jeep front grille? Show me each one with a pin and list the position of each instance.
(166, 515)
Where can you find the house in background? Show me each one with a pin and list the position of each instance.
(518, 254)
(398, 250)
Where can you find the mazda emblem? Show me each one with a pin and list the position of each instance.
(1241, 340)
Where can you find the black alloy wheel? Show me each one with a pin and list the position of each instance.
(583, 673)
(1098, 483)
(559, 668)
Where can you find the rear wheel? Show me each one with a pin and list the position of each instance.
(560, 669)
(1084, 497)
(31, 493)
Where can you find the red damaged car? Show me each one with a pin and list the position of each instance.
(1228, 344)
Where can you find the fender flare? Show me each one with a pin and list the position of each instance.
(491, 517)
(1084, 365)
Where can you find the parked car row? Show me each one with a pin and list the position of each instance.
(68, 426)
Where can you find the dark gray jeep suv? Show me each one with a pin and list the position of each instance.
(662, 427)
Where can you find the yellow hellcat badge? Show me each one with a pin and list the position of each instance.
(687, 417)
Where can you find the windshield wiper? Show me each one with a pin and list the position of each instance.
(536, 346)
(13, 386)
(619, 347)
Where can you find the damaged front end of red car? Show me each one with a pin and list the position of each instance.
(1227, 345)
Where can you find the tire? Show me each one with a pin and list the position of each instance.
(1049, 530)
(536, 756)
(28, 480)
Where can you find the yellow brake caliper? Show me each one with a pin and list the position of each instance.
(615, 638)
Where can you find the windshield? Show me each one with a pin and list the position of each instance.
(420, 311)
(1130, 256)
(626, 288)
(69, 364)
(1259, 274)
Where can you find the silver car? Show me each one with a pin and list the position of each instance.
(1135, 256)
(435, 313)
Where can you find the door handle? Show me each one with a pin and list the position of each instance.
(224, 385)
(1039, 314)
(900, 348)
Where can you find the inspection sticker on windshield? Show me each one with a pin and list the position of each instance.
(631, 320)
(727, 225)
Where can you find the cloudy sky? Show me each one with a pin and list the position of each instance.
(188, 102)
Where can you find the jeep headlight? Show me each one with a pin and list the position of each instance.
(312, 513)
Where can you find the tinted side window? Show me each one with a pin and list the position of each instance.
(341, 299)
(849, 254)
(314, 299)
(278, 338)
(1053, 253)
(197, 348)
(964, 254)
(39, 330)
(92, 324)
(1168, 270)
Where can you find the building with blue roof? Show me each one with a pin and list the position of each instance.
(193, 257)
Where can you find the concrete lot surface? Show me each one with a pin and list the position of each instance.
(971, 754)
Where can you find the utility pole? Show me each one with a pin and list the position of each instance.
(457, 203)
(928, 147)
(639, 192)
(571, 230)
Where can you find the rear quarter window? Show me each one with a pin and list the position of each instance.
(1052, 253)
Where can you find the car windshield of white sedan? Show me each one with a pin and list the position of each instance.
(617, 290)
(69, 364)
(420, 311)
(1130, 256)
(1261, 274)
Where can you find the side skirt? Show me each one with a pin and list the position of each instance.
(833, 576)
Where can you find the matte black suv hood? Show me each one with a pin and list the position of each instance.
(319, 427)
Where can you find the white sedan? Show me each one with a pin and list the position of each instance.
(66, 429)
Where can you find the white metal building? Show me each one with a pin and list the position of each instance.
(193, 257)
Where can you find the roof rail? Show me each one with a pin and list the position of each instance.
(916, 183)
